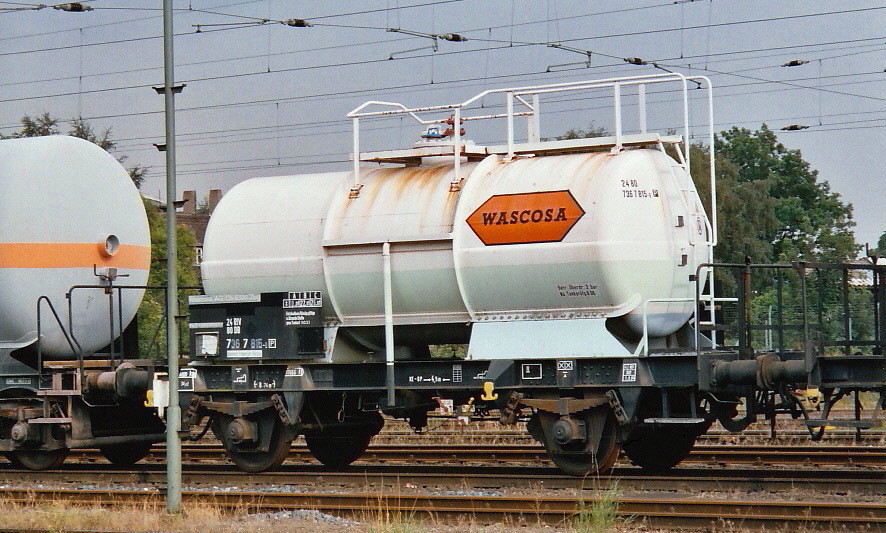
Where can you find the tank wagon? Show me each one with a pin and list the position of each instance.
(577, 273)
(72, 225)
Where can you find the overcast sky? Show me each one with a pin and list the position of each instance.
(269, 99)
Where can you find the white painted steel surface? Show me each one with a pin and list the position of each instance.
(303, 232)
(61, 198)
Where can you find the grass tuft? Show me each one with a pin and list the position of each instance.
(600, 515)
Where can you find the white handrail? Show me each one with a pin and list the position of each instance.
(532, 110)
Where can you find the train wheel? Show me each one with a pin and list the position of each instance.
(580, 457)
(126, 454)
(40, 459)
(659, 449)
(336, 452)
(244, 453)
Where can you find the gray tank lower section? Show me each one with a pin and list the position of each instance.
(516, 339)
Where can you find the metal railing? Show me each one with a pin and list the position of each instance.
(529, 97)
(813, 306)
(72, 342)
(119, 315)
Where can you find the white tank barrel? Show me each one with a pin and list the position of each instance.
(587, 235)
(68, 209)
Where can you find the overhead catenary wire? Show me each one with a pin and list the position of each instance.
(595, 37)
(113, 23)
(659, 64)
(792, 84)
(840, 44)
(341, 157)
(312, 126)
(556, 45)
(401, 87)
(454, 81)
(190, 9)
(237, 134)
(340, 94)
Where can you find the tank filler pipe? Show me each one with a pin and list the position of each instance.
(641, 106)
(616, 91)
(686, 133)
(356, 187)
(456, 148)
(536, 118)
(509, 103)
(712, 162)
(389, 323)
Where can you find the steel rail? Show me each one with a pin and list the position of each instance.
(532, 453)
(825, 481)
(669, 510)
(4, 529)
(802, 435)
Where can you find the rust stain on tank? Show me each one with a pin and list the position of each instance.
(419, 191)
(589, 166)
(452, 200)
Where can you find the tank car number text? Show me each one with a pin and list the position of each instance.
(251, 344)
(630, 189)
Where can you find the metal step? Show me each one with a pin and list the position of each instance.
(50, 421)
(673, 420)
(819, 422)
(58, 392)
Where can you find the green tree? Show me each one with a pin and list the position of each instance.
(592, 131)
(745, 211)
(45, 124)
(36, 127)
(151, 323)
(773, 207)
(812, 222)
(203, 206)
(881, 245)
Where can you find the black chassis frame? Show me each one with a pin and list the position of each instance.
(558, 378)
(492, 383)
(417, 383)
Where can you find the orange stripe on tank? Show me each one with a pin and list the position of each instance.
(72, 255)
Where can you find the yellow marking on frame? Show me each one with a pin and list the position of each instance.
(488, 388)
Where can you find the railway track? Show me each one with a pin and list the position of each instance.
(656, 511)
(867, 456)
(824, 481)
(390, 477)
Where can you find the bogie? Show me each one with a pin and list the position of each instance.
(255, 444)
(582, 443)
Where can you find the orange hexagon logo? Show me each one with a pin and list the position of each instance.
(525, 218)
